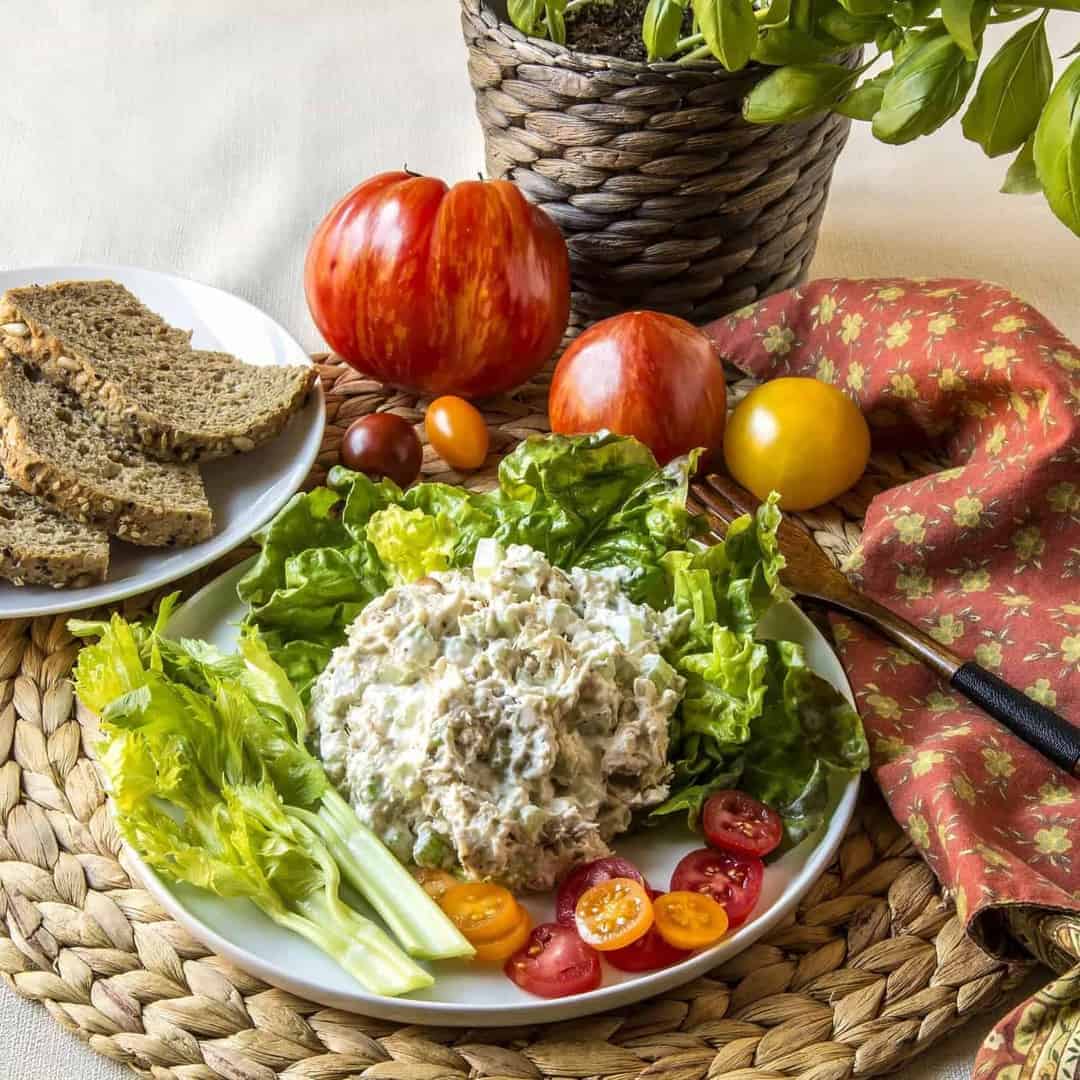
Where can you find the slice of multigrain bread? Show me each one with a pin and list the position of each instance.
(49, 447)
(140, 378)
(38, 546)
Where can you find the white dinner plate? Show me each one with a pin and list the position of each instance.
(244, 491)
(470, 994)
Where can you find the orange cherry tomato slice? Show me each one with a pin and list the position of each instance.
(690, 920)
(457, 432)
(481, 911)
(613, 914)
(436, 883)
(501, 949)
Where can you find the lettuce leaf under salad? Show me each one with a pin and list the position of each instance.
(753, 716)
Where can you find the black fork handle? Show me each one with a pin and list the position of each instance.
(1037, 725)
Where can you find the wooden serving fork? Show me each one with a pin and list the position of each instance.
(810, 573)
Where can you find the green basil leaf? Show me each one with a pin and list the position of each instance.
(730, 30)
(785, 45)
(1012, 92)
(864, 101)
(1022, 179)
(776, 14)
(797, 91)
(910, 40)
(965, 20)
(556, 24)
(867, 7)
(1057, 147)
(661, 28)
(851, 29)
(927, 87)
(913, 12)
(889, 38)
(526, 15)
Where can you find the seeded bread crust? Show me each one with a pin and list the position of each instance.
(38, 546)
(51, 449)
(139, 377)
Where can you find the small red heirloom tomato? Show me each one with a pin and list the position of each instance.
(644, 374)
(383, 444)
(462, 290)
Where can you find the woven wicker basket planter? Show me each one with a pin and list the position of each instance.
(667, 197)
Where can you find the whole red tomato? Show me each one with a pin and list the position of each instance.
(462, 290)
(644, 374)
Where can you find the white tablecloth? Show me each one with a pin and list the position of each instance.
(209, 138)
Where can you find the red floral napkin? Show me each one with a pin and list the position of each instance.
(985, 555)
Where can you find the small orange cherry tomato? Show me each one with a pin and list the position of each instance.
(457, 432)
(501, 949)
(613, 914)
(481, 911)
(690, 920)
(435, 883)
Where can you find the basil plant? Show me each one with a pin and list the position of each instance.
(923, 67)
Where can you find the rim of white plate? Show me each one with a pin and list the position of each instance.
(313, 414)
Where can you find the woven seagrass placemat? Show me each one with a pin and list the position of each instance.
(873, 968)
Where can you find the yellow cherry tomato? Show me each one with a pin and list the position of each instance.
(800, 437)
(481, 911)
(501, 949)
(689, 920)
(435, 883)
(457, 432)
(614, 913)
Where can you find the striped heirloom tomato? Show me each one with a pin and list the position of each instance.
(444, 290)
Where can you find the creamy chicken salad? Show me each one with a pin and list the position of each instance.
(505, 720)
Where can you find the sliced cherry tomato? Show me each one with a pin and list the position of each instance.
(457, 431)
(501, 949)
(436, 883)
(585, 877)
(690, 920)
(648, 953)
(481, 911)
(554, 963)
(733, 881)
(613, 914)
(735, 821)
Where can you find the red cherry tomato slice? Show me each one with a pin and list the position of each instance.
(737, 822)
(584, 877)
(733, 881)
(554, 963)
(648, 953)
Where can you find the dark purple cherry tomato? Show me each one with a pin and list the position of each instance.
(383, 445)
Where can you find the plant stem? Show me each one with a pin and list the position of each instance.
(698, 54)
(574, 5)
(690, 42)
(802, 15)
